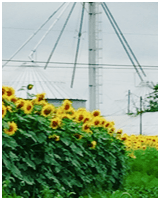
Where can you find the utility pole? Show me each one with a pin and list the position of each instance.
(140, 115)
(92, 56)
(128, 101)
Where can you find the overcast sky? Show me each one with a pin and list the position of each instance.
(138, 22)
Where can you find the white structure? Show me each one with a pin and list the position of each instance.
(56, 92)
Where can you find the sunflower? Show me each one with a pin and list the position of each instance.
(55, 122)
(96, 113)
(55, 137)
(20, 103)
(107, 125)
(78, 136)
(4, 91)
(66, 105)
(79, 117)
(13, 98)
(59, 111)
(87, 117)
(119, 131)
(4, 111)
(71, 112)
(5, 97)
(154, 139)
(40, 97)
(124, 137)
(133, 137)
(10, 91)
(12, 128)
(65, 116)
(9, 108)
(112, 123)
(86, 127)
(143, 147)
(93, 144)
(42, 102)
(47, 110)
(103, 121)
(132, 155)
(81, 110)
(28, 107)
(29, 87)
(96, 121)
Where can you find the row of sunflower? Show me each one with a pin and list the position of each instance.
(81, 115)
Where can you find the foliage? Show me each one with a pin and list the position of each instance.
(68, 151)
(153, 100)
(142, 178)
(144, 169)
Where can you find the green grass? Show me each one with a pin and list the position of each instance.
(142, 178)
(141, 182)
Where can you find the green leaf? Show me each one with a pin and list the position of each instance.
(13, 156)
(22, 166)
(29, 134)
(29, 162)
(57, 156)
(57, 169)
(16, 172)
(5, 125)
(75, 163)
(27, 178)
(112, 179)
(65, 141)
(21, 119)
(9, 142)
(41, 137)
(37, 161)
(7, 163)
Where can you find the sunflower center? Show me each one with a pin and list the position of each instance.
(10, 129)
(54, 123)
(20, 105)
(29, 107)
(96, 113)
(66, 107)
(3, 91)
(96, 122)
(80, 117)
(47, 111)
(13, 100)
(86, 119)
(86, 127)
(107, 125)
(9, 93)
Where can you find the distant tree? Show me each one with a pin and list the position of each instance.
(153, 100)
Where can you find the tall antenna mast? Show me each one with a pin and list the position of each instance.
(92, 56)
(95, 73)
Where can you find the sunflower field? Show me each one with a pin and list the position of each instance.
(66, 151)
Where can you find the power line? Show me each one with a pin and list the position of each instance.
(29, 29)
(68, 63)
(33, 35)
(62, 67)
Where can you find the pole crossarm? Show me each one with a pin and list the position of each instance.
(32, 35)
(124, 39)
(78, 43)
(59, 35)
(121, 41)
